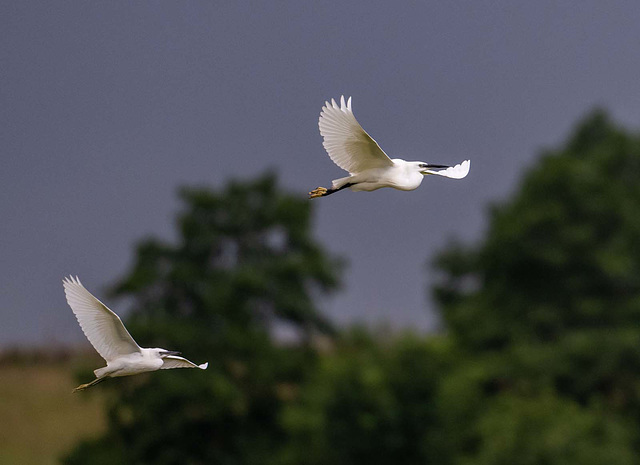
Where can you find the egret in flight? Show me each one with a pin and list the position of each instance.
(112, 341)
(355, 151)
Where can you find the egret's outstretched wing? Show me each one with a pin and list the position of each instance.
(455, 172)
(173, 361)
(348, 145)
(103, 328)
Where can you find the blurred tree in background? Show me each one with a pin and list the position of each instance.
(547, 306)
(562, 254)
(244, 265)
(371, 400)
(539, 363)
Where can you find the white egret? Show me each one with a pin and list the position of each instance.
(112, 341)
(352, 149)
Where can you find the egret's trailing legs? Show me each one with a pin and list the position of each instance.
(82, 387)
(323, 191)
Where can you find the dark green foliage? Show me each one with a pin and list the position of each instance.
(562, 254)
(370, 401)
(244, 264)
(245, 261)
(547, 308)
(547, 429)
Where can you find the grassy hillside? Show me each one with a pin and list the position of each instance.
(40, 419)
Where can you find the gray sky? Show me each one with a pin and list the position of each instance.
(107, 107)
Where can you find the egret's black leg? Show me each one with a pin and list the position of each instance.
(323, 191)
(332, 191)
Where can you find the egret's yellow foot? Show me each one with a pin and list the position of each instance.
(317, 192)
(82, 387)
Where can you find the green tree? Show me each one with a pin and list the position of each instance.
(552, 431)
(244, 266)
(371, 400)
(547, 309)
(562, 254)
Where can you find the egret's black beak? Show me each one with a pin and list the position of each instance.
(171, 352)
(432, 167)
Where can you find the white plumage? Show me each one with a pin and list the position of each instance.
(352, 149)
(108, 335)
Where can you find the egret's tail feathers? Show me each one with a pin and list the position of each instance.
(100, 372)
(454, 172)
(339, 183)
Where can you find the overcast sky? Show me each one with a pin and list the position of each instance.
(107, 107)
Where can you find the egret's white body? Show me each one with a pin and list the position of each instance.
(352, 149)
(112, 341)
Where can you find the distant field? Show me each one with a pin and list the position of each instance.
(40, 419)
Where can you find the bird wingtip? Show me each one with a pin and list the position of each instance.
(71, 280)
(204, 366)
(344, 105)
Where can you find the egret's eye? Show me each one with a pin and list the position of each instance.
(423, 165)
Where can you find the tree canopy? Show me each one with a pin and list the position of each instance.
(547, 307)
(562, 254)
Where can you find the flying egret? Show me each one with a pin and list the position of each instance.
(352, 149)
(112, 341)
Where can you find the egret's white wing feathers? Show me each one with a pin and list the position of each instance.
(173, 361)
(103, 328)
(347, 143)
(455, 172)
